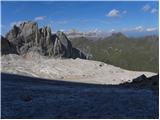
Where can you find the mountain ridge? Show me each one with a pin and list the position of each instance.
(140, 54)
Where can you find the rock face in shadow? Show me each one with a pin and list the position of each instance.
(77, 53)
(28, 37)
(144, 82)
(7, 47)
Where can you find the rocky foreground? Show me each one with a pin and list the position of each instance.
(28, 97)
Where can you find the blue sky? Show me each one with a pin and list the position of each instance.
(132, 18)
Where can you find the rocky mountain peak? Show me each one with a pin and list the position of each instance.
(28, 37)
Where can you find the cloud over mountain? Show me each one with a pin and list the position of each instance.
(139, 28)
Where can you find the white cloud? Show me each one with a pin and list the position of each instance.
(154, 10)
(116, 13)
(113, 13)
(146, 8)
(112, 30)
(151, 29)
(139, 29)
(124, 12)
(38, 18)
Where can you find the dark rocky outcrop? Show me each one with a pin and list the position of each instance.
(7, 47)
(144, 82)
(77, 53)
(140, 79)
(27, 37)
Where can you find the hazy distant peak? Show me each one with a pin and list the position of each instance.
(118, 34)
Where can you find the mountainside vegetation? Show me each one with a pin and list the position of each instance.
(139, 54)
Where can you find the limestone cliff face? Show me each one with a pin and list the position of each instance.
(28, 37)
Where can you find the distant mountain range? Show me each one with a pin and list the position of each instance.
(92, 35)
(140, 53)
(97, 34)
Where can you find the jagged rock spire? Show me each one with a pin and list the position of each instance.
(28, 37)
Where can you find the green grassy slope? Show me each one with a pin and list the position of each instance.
(140, 54)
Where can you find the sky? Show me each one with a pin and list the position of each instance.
(129, 17)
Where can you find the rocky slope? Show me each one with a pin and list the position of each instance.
(77, 70)
(28, 37)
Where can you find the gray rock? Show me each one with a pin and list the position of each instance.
(59, 49)
(23, 36)
(140, 78)
(63, 45)
(13, 34)
(77, 54)
(7, 47)
(27, 37)
(45, 41)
